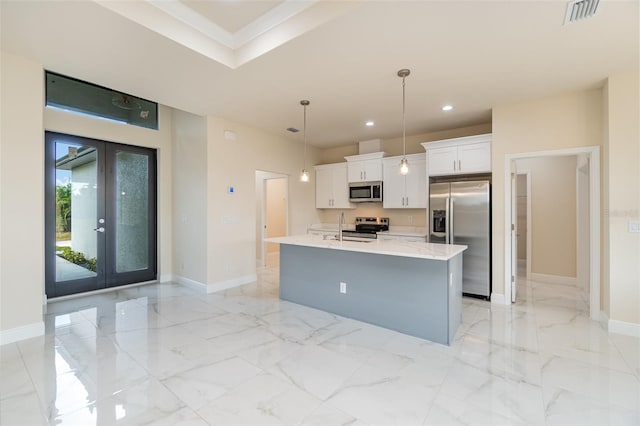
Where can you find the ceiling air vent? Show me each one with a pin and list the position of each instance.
(580, 9)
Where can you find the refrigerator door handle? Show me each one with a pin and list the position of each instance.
(450, 218)
(447, 223)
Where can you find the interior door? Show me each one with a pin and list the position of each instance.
(514, 236)
(100, 225)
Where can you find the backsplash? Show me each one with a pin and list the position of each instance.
(397, 217)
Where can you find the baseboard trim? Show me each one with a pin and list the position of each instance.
(498, 299)
(553, 279)
(622, 327)
(21, 333)
(187, 282)
(604, 320)
(165, 278)
(227, 284)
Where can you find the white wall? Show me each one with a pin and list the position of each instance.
(231, 219)
(622, 160)
(190, 196)
(21, 195)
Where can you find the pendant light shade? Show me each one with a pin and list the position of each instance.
(304, 175)
(404, 164)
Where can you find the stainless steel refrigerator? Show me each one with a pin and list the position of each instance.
(460, 213)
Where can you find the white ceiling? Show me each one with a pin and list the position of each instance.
(253, 61)
(232, 15)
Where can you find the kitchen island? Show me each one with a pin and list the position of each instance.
(411, 287)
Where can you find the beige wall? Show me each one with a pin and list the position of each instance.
(563, 121)
(276, 211)
(622, 160)
(190, 196)
(522, 218)
(397, 217)
(393, 146)
(22, 192)
(553, 214)
(231, 219)
(23, 126)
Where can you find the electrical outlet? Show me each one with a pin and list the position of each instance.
(410, 220)
(634, 226)
(343, 288)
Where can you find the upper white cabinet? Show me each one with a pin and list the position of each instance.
(365, 167)
(332, 188)
(405, 191)
(466, 155)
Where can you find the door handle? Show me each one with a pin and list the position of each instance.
(447, 223)
(451, 222)
(101, 229)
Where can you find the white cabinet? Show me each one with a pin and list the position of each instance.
(405, 191)
(365, 167)
(332, 189)
(459, 156)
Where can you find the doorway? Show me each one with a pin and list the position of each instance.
(523, 223)
(100, 214)
(591, 175)
(272, 215)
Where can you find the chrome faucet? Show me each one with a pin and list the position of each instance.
(340, 225)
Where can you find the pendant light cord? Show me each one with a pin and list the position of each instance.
(304, 157)
(404, 133)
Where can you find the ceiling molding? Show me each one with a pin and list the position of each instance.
(194, 19)
(180, 23)
(276, 16)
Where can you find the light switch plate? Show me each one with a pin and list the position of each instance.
(634, 226)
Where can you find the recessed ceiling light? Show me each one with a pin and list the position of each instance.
(447, 108)
(369, 123)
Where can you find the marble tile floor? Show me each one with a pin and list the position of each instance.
(164, 354)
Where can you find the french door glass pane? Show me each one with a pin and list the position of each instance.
(76, 192)
(132, 211)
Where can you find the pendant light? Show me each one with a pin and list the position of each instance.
(304, 175)
(404, 164)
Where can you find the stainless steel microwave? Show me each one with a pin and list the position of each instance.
(365, 192)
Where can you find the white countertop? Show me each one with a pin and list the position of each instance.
(405, 231)
(388, 247)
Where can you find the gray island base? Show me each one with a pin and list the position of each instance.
(418, 296)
